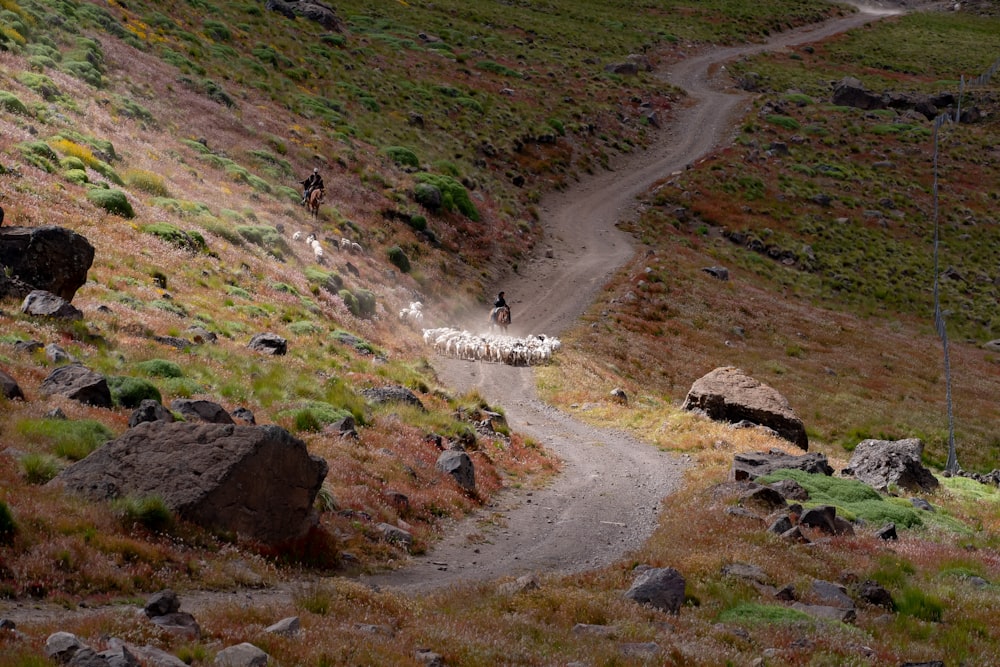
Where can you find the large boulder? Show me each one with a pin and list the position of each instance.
(751, 465)
(78, 383)
(48, 258)
(320, 12)
(258, 481)
(9, 388)
(850, 92)
(46, 304)
(194, 409)
(729, 394)
(660, 587)
(269, 343)
(882, 464)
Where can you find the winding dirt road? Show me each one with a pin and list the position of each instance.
(608, 496)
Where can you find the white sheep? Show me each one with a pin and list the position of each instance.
(310, 239)
(317, 250)
(296, 236)
(412, 313)
(528, 351)
(356, 249)
(345, 244)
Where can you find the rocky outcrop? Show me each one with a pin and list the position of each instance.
(269, 343)
(312, 10)
(258, 481)
(884, 464)
(47, 258)
(729, 394)
(392, 394)
(40, 303)
(751, 465)
(78, 383)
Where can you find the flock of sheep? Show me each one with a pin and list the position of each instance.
(528, 351)
(346, 245)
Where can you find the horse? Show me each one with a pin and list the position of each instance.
(500, 317)
(315, 199)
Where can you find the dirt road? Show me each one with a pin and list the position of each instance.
(607, 499)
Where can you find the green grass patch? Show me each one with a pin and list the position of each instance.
(163, 368)
(69, 439)
(112, 201)
(753, 614)
(150, 512)
(39, 468)
(129, 392)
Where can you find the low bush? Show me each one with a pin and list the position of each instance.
(403, 156)
(39, 468)
(147, 182)
(8, 528)
(11, 104)
(453, 194)
(190, 240)
(399, 258)
(150, 512)
(163, 368)
(112, 201)
(129, 392)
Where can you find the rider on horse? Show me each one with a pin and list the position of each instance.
(497, 306)
(313, 182)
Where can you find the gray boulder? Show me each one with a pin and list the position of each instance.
(162, 603)
(312, 10)
(40, 303)
(258, 481)
(850, 92)
(62, 646)
(201, 410)
(269, 343)
(78, 383)
(241, 655)
(751, 465)
(660, 587)
(882, 464)
(9, 388)
(47, 258)
(459, 466)
(729, 394)
(288, 627)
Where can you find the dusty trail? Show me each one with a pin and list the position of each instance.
(606, 501)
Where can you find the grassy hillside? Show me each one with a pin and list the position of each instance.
(173, 134)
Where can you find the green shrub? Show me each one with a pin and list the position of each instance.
(77, 176)
(11, 104)
(112, 201)
(72, 162)
(304, 328)
(217, 31)
(786, 122)
(497, 68)
(147, 182)
(163, 368)
(129, 392)
(8, 527)
(151, 512)
(453, 194)
(403, 156)
(399, 258)
(366, 302)
(313, 416)
(40, 83)
(916, 603)
(192, 241)
(350, 301)
(39, 468)
(85, 71)
(70, 439)
(418, 222)
(265, 236)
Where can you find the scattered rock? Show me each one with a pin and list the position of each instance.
(763, 498)
(395, 534)
(268, 343)
(209, 483)
(522, 584)
(429, 657)
(729, 394)
(887, 532)
(245, 415)
(831, 594)
(876, 595)
(40, 303)
(392, 394)
(288, 627)
(149, 410)
(790, 489)
(57, 355)
(459, 466)
(62, 646)
(162, 603)
(661, 587)
(719, 272)
(79, 384)
(826, 612)
(883, 464)
(241, 655)
(200, 410)
(9, 388)
(618, 395)
(46, 258)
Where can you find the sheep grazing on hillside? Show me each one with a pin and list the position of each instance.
(356, 249)
(412, 313)
(345, 244)
(317, 250)
(296, 236)
(531, 350)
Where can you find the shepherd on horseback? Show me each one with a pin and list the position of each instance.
(500, 315)
(313, 182)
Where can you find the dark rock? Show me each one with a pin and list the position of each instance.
(459, 466)
(258, 481)
(763, 498)
(662, 588)
(28, 346)
(850, 92)
(201, 335)
(831, 594)
(392, 394)
(242, 655)
(720, 272)
(795, 535)
(244, 415)
(57, 355)
(40, 303)
(87, 657)
(821, 518)
(149, 410)
(729, 394)
(751, 465)
(922, 504)
(9, 388)
(179, 624)
(174, 342)
(78, 383)
(629, 69)
(62, 646)
(786, 593)
(288, 627)
(201, 410)
(46, 258)
(790, 489)
(162, 603)
(268, 343)
(882, 464)
(928, 663)
(887, 532)
(618, 395)
(313, 10)
(876, 595)
(781, 525)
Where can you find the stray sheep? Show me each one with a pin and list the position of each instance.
(531, 350)
(345, 244)
(317, 250)
(296, 236)
(412, 313)
(356, 249)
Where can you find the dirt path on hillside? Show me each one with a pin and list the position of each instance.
(606, 501)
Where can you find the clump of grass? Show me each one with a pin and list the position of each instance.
(129, 392)
(39, 468)
(150, 512)
(786, 122)
(313, 416)
(163, 368)
(147, 182)
(754, 614)
(403, 156)
(915, 602)
(11, 104)
(452, 194)
(69, 439)
(187, 240)
(112, 201)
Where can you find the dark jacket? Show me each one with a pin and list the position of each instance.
(314, 181)
(500, 302)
